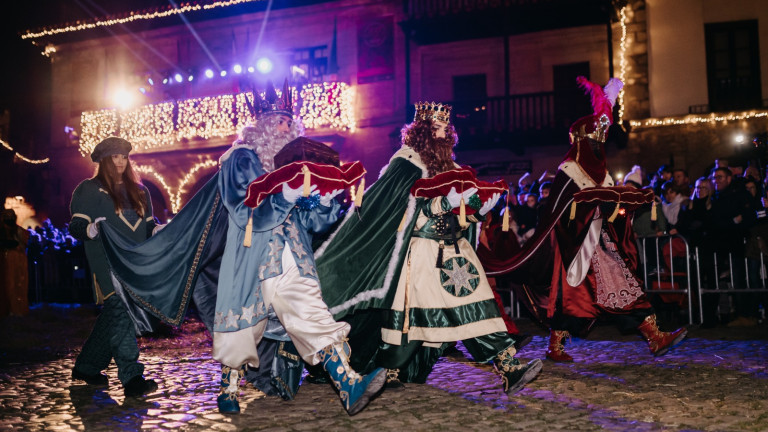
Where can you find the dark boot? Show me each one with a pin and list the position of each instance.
(138, 386)
(98, 379)
(228, 399)
(556, 351)
(393, 380)
(514, 376)
(660, 342)
(355, 390)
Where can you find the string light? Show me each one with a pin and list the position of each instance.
(149, 170)
(148, 127)
(206, 117)
(622, 60)
(20, 156)
(176, 199)
(330, 104)
(693, 119)
(96, 125)
(133, 16)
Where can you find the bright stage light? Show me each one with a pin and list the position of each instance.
(251, 69)
(123, 98)
(178, 77)
(223, 73)
(237, 68)
(150, 81)
(264, 65)
(191, 77)
(739, 139)
(165, 80)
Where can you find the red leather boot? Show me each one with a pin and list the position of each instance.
(556, 351)
(660, 342)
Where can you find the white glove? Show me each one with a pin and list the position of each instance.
(488, 205)
(454, 198)
(93, 228)
(325, 200)
(291, 195)
(157, 228)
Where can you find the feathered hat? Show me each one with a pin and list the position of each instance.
(595, 126)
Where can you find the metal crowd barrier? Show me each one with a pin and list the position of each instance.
(670, 275)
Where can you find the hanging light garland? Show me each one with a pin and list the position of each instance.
(329, 104)
(191, 175)
(20, 156)
(622, 60)
(694, 119)
(147, 169)
(133, 16)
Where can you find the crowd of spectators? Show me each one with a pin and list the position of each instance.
(722, 215)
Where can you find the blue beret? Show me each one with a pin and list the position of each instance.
(110, 146)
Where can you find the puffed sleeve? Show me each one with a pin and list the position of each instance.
(81, 208)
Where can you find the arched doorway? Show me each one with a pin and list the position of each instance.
(159, 205)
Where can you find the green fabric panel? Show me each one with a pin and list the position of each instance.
(442, 318)
(485, 348)
(357, 259)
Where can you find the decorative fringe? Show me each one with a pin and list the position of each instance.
(653, 211)
(615, 213)
(359, 194)
(248, 230)
(462, 213)
(307, 180)
(505, 220)
(573, 210)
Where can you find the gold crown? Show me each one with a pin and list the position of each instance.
(432, 111)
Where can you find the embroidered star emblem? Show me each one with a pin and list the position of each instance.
(261, 272)
(248, 314)
(278, 230)
(231, 319)
(293, 232)
(459, 278)
(219, 318)
(260, 308)
(307, 268)
(274, 248)
(299, 251)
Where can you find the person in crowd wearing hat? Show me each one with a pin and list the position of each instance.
(404, 273)
(114, 197)
(593, 256)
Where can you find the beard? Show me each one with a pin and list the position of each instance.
(435, 153)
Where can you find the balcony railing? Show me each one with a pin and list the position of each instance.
(533, 111)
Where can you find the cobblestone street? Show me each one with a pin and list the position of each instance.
(715, 381)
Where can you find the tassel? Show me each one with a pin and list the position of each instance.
(573, 210)
(653, 211)
(439, 263)
(402, 222)
(307, 180)
(462, 213)
(248, 231)
(615, 213)
(505, 220)
(359, 194)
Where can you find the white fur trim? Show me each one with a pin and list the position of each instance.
(319, 252)
(393, 261)
(582, 180)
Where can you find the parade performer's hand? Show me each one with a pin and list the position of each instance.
(157, 228)
(291, 195)
(488, 205)
(325, 200)
(454, 198)
(93, 227)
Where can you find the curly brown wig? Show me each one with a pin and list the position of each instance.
(436, 153)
